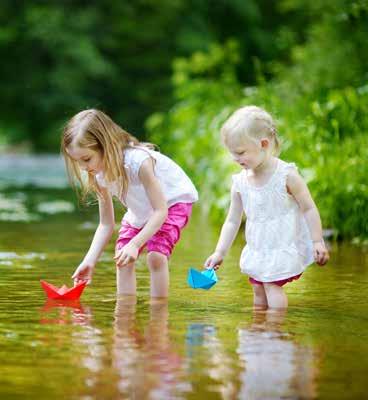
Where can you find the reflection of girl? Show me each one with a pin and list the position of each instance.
(146, 364)
(208, 362)
(275, 367)
(156, 191)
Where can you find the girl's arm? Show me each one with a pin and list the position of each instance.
(299, 190)
(100, 239)
(152, 186)
(228, 231)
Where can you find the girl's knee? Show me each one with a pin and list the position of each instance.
(276, 296)
(259, 296)
(258, 290)
(156, 260)
(126, 269)
(272, 288)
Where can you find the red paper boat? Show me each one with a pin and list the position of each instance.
(63, 293)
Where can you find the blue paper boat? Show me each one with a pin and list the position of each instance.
(202, 280)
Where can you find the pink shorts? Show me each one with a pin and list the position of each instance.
(278, 283)
(164, 240)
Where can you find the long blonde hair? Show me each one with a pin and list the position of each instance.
(251, 122)
(94, 130)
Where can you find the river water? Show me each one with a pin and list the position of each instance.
(200, 345)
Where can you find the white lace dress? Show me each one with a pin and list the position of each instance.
(279, 245)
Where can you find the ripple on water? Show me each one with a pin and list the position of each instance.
(27, 256)
(13, 208)
(55, 207)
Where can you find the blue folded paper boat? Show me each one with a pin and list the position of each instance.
(202, 279)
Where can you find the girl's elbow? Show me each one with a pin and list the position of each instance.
(165, 212)
(309, 210)
(108, 228)
(110, 233)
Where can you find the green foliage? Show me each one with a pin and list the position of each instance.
(326, 136)
(305, 62)
(328, 140)
(205, 85)
(335, 51)
(61, 57)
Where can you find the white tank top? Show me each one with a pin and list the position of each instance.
(175, 184)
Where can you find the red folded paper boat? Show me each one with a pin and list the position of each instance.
(63, 293)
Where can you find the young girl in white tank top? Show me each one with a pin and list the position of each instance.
(157, 193)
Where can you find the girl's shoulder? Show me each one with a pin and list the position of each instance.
(288, 171)
(282, 171)
(136, 154)
(285, 168)
(134, 157)
(285, 164)
(239, 180)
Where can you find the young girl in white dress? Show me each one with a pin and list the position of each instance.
(283, 226)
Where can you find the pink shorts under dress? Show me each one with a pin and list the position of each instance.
(164, 240)
(278, 283)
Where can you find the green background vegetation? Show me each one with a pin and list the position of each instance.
(172, 72)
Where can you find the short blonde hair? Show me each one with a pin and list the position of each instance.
(250, 122)
(96, 131)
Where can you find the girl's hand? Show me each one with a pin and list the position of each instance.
(128, 254)
(83, 273)
(320, 252)
(214, 261)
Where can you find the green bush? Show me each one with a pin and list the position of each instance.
(326, 136)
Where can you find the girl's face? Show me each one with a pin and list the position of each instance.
(87, 159)
(249, 154)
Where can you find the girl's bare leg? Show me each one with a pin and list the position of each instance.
(125, 280)
(259, 297)
(159, 269)
(276, 297)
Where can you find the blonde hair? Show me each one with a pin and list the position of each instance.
(96, 131)
(250, 122)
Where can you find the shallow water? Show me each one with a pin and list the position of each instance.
(202, 344)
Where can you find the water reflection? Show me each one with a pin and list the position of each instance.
(198, 335)
(83, 347)
(275, 366)
(146, 361)
(89, 357)
(64, 312)
(209, 366)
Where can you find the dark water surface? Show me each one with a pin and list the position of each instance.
(201, 345)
